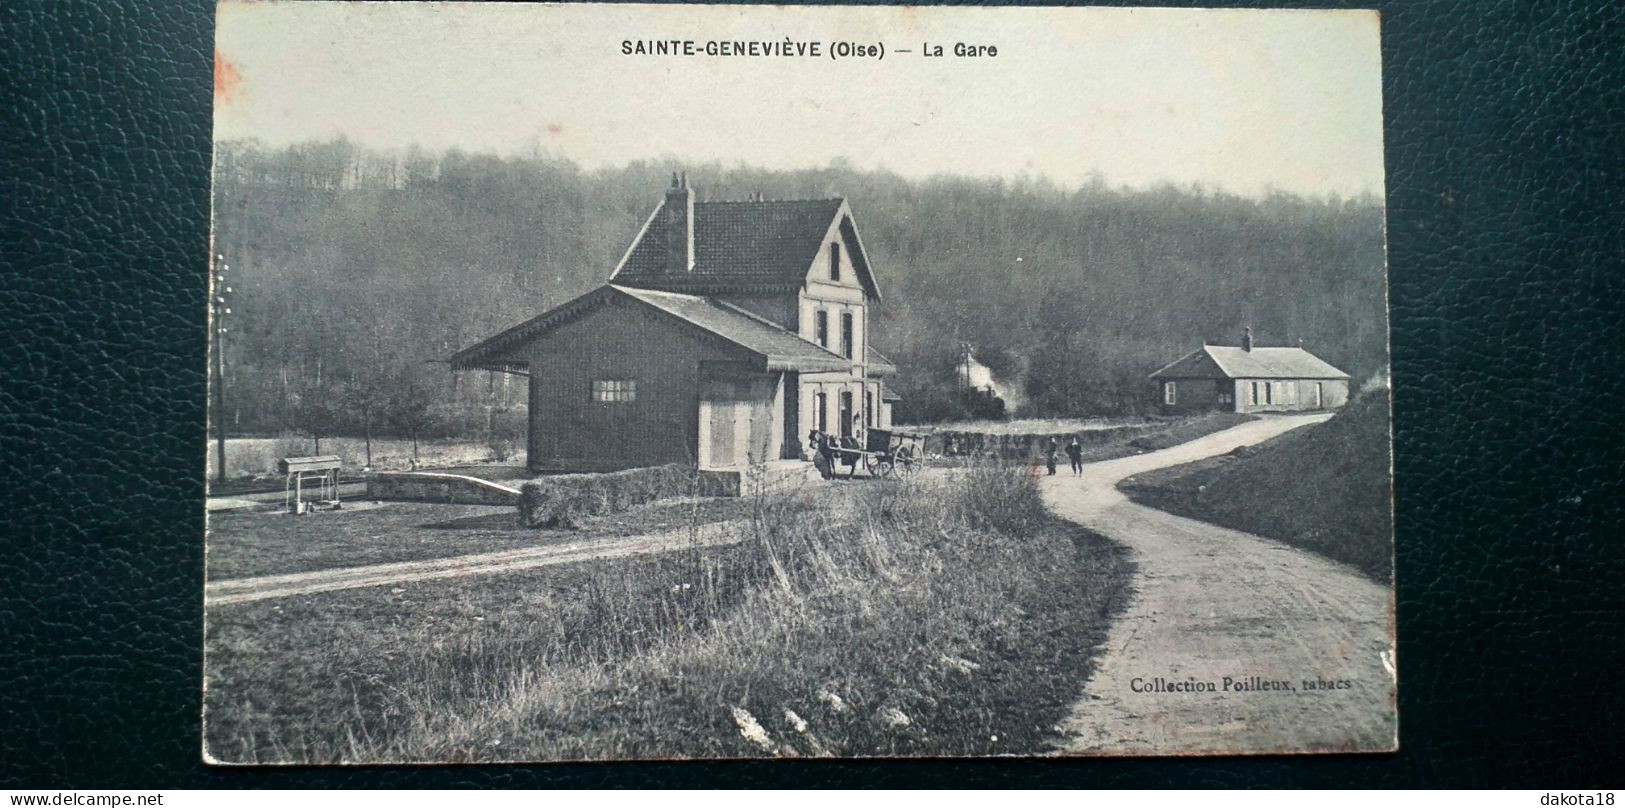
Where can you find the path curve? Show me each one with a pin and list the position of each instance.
(246, 590)
(1212, 603)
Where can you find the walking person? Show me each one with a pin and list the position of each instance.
(1050, 451)
(1074, 451)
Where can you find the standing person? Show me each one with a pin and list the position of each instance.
(1050, 451)
(820, 454)
(1074, 450)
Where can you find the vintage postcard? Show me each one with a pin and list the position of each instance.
(619, 382)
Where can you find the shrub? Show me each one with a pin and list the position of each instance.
(563, 500)
(1002, 497)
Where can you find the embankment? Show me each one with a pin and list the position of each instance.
(1326, 488)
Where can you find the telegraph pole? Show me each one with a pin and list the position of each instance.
(217, 323)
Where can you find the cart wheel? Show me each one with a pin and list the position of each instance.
(905, 461)
(879, 465)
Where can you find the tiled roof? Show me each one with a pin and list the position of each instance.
(878, 362)
(782, 349)
(1227, 361)
(778, 349)
(742, 242)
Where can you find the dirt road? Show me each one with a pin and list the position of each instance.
(245, 590)
(1213, 603)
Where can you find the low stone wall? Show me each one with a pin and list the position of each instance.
(434, 486)
(1023, 446)
(559, 500)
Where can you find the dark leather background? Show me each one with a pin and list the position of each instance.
(1505, 145)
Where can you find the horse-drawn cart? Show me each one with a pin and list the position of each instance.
(884, 452)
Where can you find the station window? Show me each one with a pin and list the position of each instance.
(821, 327)
(834, 261)
(614, 390)
(1170, 393)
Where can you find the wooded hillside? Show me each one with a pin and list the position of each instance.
(354, 271)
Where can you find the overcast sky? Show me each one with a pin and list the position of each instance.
(1243, 100)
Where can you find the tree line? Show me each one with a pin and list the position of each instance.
(356, 272)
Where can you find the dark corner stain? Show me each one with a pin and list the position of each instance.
(226, 78)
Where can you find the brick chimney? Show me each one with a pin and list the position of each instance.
(1247, 339)
(679, 225)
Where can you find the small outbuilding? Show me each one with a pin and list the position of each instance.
(1245, 378)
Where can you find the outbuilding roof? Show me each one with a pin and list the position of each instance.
(776, 348)
(1232, 362)
(749, 243)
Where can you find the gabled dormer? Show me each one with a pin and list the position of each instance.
(841, 260)
(763, 255)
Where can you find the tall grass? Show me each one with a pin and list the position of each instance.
(922, 617)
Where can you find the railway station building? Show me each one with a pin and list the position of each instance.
(727, 332)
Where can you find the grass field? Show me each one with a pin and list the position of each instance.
(1183, 430)
(271, 542)
(945, 614)
(1325, 488)
(255, 458)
